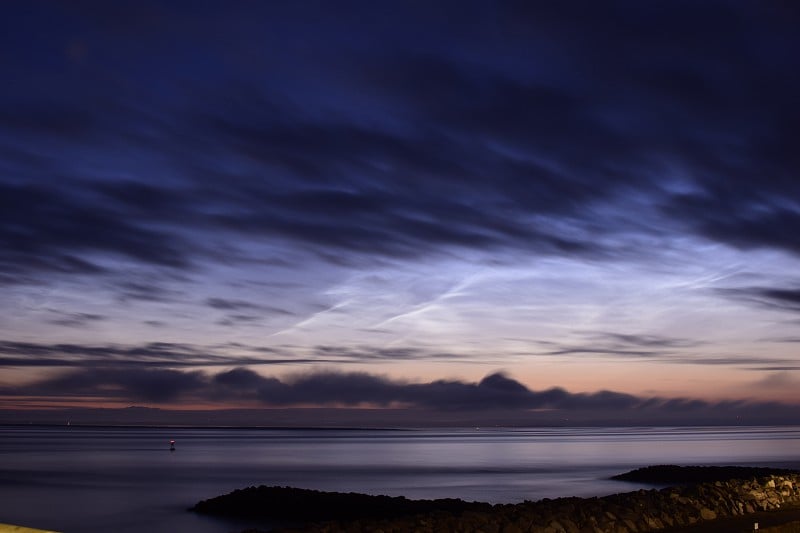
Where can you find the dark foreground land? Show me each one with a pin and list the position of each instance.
(779, 521)
(698, 499)
(287, 504)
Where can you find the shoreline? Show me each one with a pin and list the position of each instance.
(698, 498)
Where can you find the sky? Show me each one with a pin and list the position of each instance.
(528, 208)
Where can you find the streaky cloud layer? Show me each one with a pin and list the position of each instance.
(583, 194)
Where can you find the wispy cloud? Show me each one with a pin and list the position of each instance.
(180, 355)
(625, 345)
(242, 305)
(783, 299)
(77, 320)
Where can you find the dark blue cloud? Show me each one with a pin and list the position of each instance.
(150, 132)
(318, 388)
(495, 396)
(778, 298)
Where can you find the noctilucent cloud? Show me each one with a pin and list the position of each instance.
(422, 205)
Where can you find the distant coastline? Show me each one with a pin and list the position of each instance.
(111, 419)
(384, 418)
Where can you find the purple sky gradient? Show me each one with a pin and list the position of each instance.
(576, 196)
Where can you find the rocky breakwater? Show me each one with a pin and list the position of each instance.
(631, 512)
(640, 511)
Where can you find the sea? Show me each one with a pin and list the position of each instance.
(123, 479)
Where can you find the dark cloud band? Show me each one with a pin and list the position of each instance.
(496, 394)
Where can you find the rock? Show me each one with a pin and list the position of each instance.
(707, 514)
(663, 474)
(653, 523)
(636, 512)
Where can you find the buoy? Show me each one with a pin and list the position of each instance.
(172, 445)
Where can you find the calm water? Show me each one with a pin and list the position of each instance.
(124, 479)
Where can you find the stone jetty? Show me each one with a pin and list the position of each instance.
(631, 512)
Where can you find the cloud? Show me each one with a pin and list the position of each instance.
(15, 353)
(783, 339)
(576, 350)
(186, 356)
(183, 355)
(153, 385)
(135, 289)
(238, 319)
(661, 349)
(452, 150)
(747, 218)
(315, 388)
(623, 345)
(371, 353)
(749, 362)
(154, 354)
(74, 319)
(225, 304)
(230, 305)
(59, 232)
(783, 299)
(496, 396)
(780, 379)
(651, 341)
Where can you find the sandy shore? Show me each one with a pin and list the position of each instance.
(9, 528)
